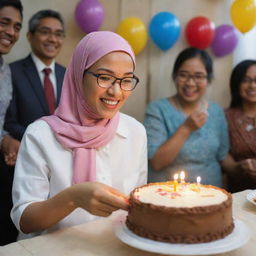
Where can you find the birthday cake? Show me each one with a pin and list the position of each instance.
(187, 214)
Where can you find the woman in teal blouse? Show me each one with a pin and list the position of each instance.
(184, 131)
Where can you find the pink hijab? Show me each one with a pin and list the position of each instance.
(74, 123)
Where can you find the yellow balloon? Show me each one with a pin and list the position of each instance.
(134, 31)
(243, 14)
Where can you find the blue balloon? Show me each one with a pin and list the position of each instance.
(164, 30)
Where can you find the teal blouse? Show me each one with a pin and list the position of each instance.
(201, 153)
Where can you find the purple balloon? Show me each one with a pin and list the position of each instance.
(89, 15)
(225, 40)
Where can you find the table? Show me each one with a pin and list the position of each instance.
(97, 238)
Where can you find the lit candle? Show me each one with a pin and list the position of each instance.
(182, 177)
(175, 182)
(182, 180)
(198, 180)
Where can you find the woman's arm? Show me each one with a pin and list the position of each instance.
(229, 165)
(94, 197)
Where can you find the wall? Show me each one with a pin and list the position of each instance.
(153, 65)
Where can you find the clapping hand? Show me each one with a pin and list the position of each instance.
(196, 120)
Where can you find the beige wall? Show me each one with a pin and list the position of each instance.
(153, 65)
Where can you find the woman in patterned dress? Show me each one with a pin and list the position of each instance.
(241, 117)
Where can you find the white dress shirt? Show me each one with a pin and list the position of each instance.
(44, 167)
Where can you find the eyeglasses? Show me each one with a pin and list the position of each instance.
(59, 34)
(248, 80)
(106, 81)
(198, 78)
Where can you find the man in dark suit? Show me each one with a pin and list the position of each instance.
(30, 99)
(29, 102)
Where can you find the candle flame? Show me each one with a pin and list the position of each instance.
(198, 179)
(176, 175)
(182, 175)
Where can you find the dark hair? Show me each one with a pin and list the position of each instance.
(14, 3)
(236, 78)
(34, 21)
(190, 53)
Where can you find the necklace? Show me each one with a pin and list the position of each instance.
(251, 126)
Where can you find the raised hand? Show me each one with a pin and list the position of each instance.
(196, 120)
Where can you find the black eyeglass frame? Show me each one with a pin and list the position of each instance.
(60, 34)
(116, 79)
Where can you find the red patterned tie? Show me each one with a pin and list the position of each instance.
(48, 90)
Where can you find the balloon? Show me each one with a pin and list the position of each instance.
(200, 32)
(89, 15)
(225, 40)
(164, 30)
(243, 14)
(134, 31)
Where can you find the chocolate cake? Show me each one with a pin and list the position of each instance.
(187, 214)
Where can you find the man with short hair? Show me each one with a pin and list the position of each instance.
(10, 25)
(30, 98)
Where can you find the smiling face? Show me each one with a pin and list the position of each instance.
(248, 86)
(10, 25)
(45, 41)
(191, 80)
(107, 101)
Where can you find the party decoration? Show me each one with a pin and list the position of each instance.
(164, 30)
(225, 40)
(199, 32)
(243, 14)
(89, 15)
(134, 31)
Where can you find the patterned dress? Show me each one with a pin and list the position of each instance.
(5, 92)
(242, 132)
(201, 153)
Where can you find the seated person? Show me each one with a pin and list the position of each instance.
(241, 117)
(81, 162)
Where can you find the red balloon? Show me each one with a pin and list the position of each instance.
(200, 32)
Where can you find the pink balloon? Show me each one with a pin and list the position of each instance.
(225, 40)
(89, 15)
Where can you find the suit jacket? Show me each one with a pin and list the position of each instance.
(28, 103)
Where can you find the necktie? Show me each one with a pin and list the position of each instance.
(48, 90)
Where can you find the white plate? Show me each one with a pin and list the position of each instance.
(236, 239)
(250, 196)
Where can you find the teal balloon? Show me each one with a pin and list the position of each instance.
(164, 30)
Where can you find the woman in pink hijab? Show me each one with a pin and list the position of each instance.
(84, 160)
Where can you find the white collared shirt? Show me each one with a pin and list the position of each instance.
(40, 66)
(44, 167)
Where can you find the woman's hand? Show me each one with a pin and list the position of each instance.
(10, 147)
(98, 199)
(249, 166)
(195, 121)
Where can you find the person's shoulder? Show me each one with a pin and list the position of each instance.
(60, 67)
(158, 102)
(215, 107)
(127, 119)
(38, 127)
(18, 62)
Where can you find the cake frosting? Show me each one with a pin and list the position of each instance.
(189, 214)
